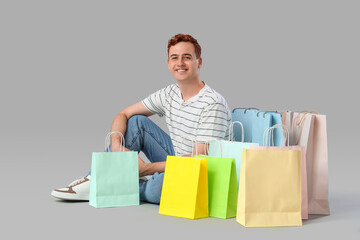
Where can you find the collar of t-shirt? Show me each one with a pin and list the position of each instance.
(193, 98)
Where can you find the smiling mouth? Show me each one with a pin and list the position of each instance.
(181, 70)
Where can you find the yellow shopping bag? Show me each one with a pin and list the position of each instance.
(270, 188)
(185, 187)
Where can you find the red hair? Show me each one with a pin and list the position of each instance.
(185, 38)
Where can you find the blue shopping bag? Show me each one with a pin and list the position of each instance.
(255, 122)
(245, 116)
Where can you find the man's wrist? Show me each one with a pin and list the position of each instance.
(115, 147)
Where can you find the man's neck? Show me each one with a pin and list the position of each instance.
(190, 89)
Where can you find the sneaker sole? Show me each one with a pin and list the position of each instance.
(69, 196)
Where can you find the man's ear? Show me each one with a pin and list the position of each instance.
(200, 62)
(168, 64)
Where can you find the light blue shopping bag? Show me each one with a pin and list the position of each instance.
(230, 148)
(255, 123)
(245, 116)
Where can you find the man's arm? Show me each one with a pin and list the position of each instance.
(120, 122)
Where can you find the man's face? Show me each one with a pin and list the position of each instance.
(182, 62)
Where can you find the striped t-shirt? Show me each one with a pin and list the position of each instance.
(203, 117)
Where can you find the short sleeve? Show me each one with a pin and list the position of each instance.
(155, 102)
(214, 122)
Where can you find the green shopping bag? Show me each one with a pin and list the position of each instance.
(114, 178)
(222, 186)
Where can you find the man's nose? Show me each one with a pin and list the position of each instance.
(180, 62)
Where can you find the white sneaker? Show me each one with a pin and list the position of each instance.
(143, 179)
(78, 190)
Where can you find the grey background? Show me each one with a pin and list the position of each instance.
(68, 67)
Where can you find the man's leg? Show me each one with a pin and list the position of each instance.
(141, 135)
(144, 135)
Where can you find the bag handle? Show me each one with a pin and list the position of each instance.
(231, 130)
(270, 133)
(251, 108)
(304, 114)
(108, 141)
(245, 109)
(207, 146)
(193, 142)
(265, 112)
(300, 123)
(286, 134)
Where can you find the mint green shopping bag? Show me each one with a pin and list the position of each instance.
(222, 186)
(230, 149)
(114, 178)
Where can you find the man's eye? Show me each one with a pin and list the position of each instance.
(173, 58)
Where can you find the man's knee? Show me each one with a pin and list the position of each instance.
(137, 121)
(135, 128)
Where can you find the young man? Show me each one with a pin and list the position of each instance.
(191, 108)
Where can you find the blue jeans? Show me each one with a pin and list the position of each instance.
(144, 135)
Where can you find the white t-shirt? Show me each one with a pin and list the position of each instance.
(203, 117)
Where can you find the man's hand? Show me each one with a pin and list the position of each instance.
(199, 149)
(142, 167)
(150, 168)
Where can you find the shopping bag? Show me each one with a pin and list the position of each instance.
(185, 188)
(231, 149)
(270, 188)
(114, 178)
(308, 129)
(285, 146)
(255, 123)
(222, 186)
(245, 116)
(263, 121)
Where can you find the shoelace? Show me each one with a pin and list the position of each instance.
(77, 181)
